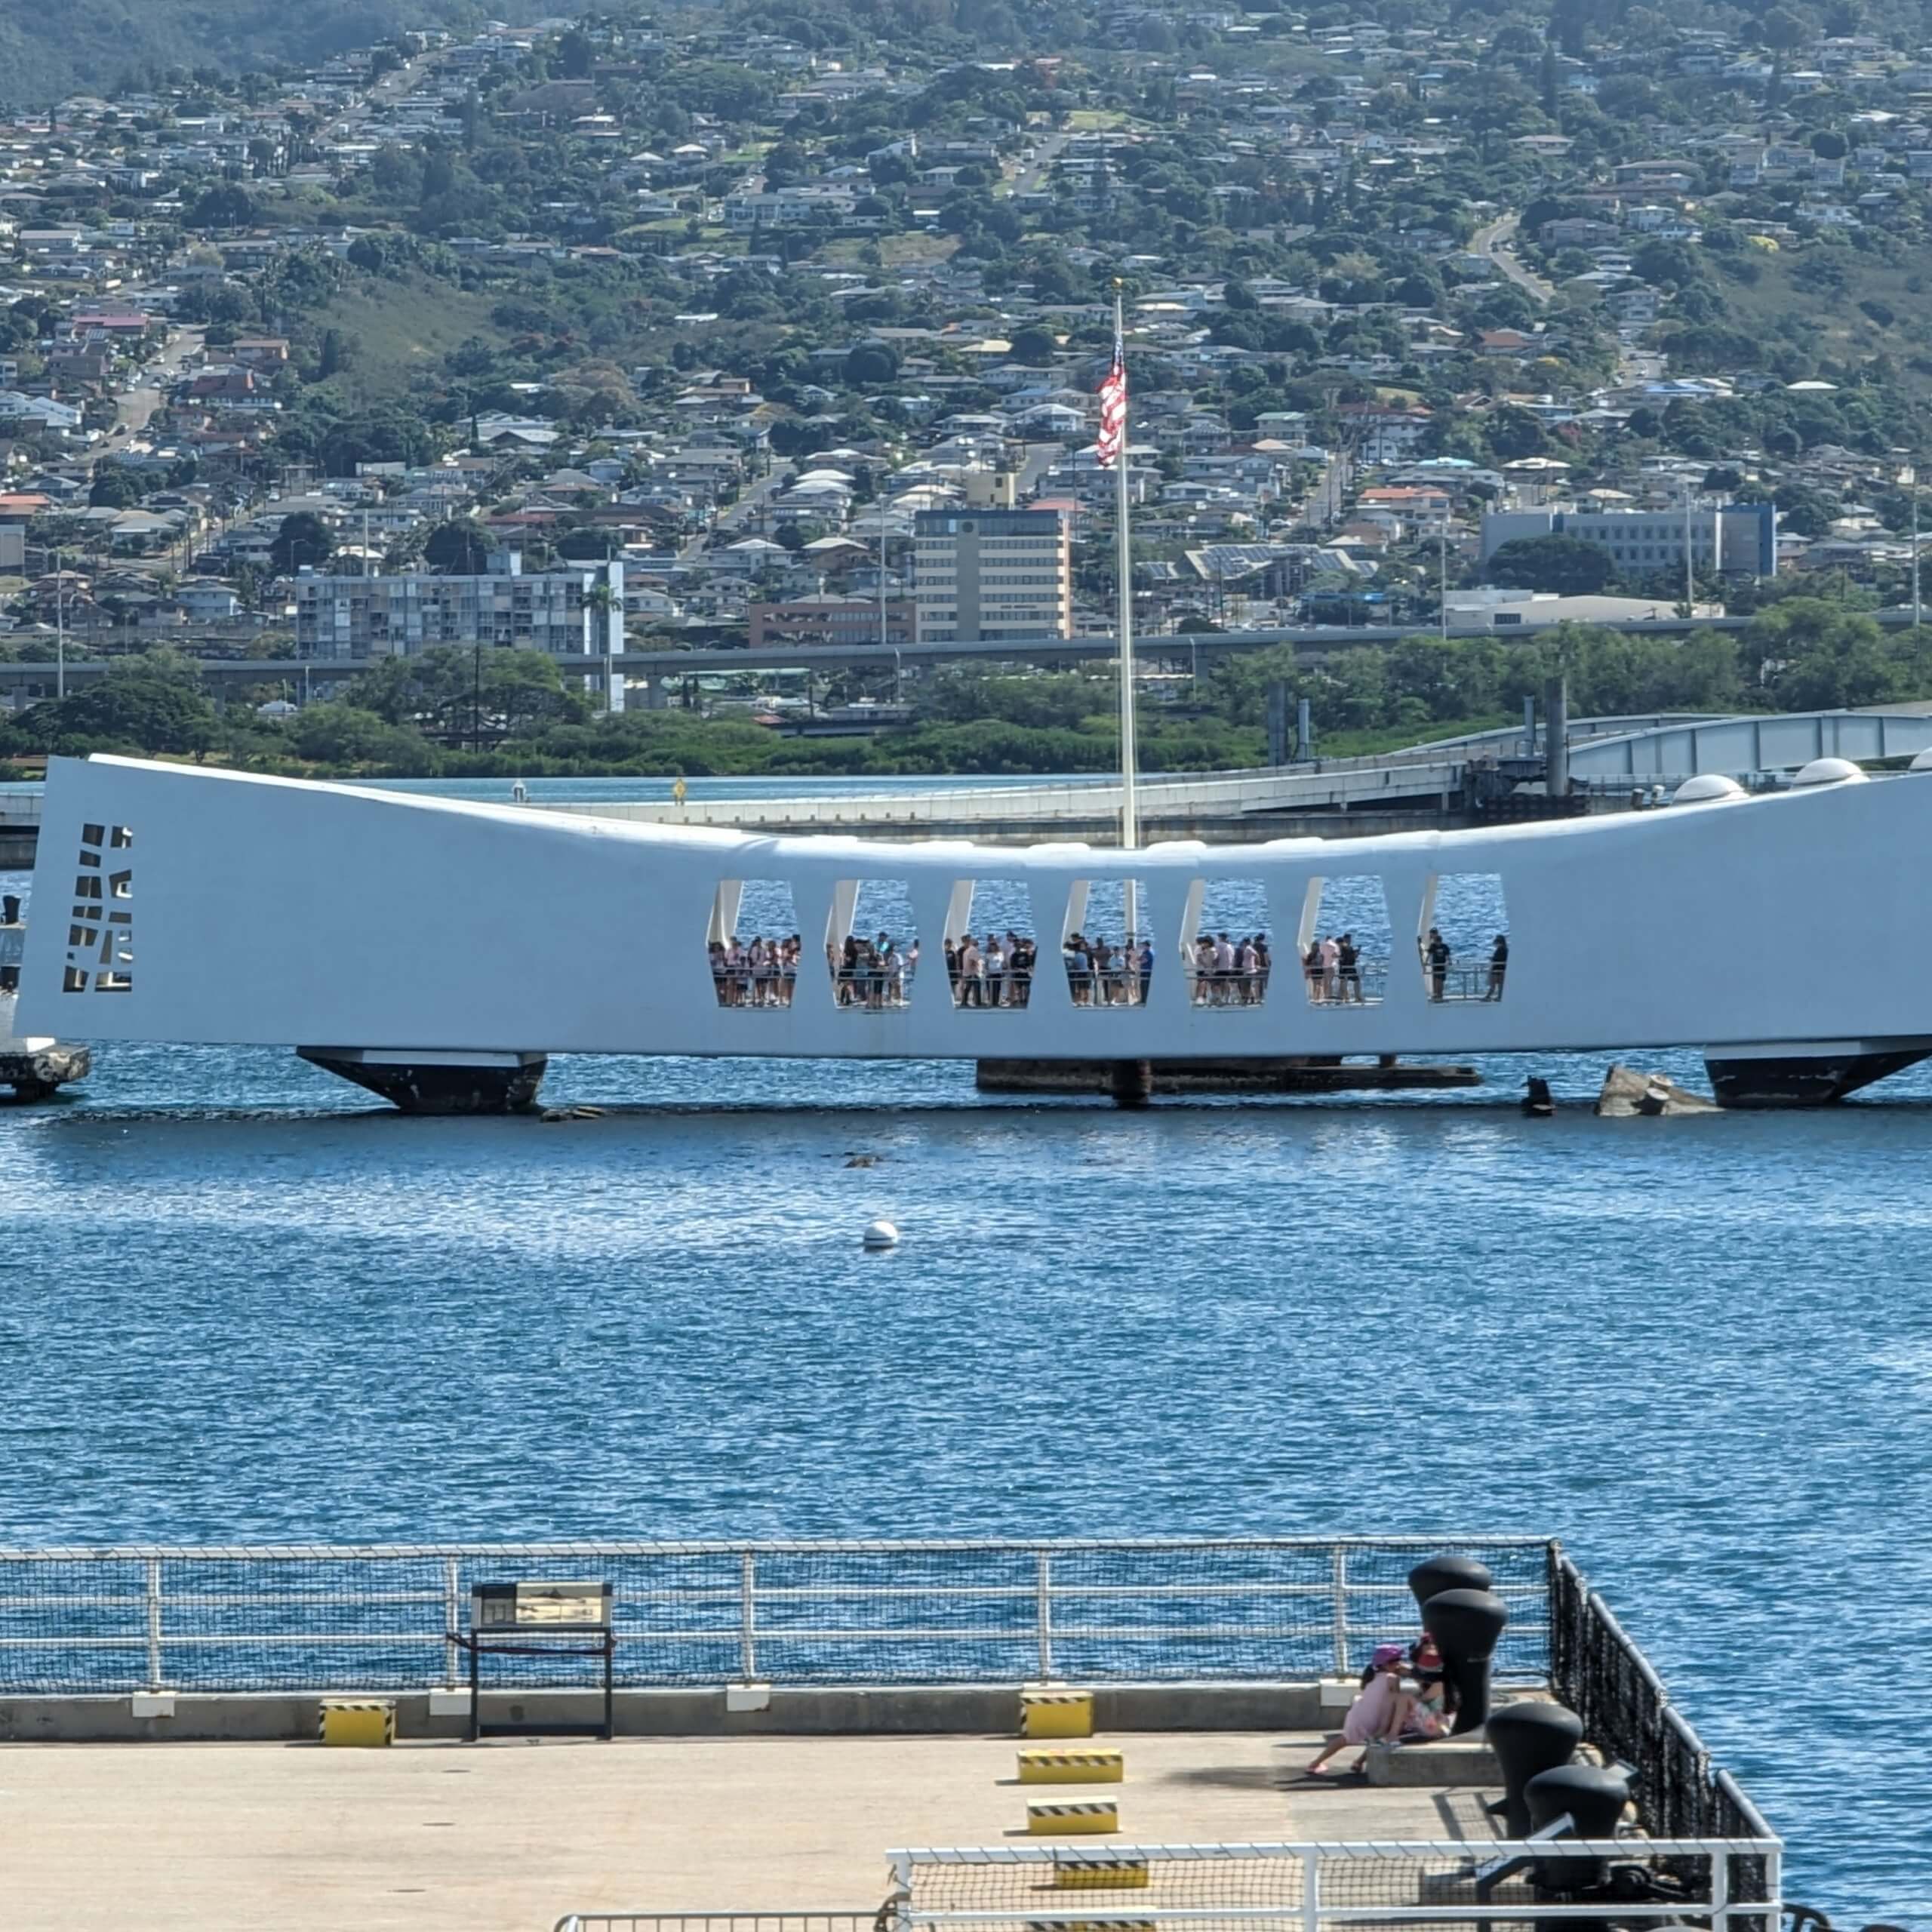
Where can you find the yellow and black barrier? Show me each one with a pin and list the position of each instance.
(1062, 1817)
(1055, 1714)
(1076, 1871)
(1061, 1764)
(359, 1723)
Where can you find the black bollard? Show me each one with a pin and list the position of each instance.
(1529, 1739)
(1593, 1800)
(9, 908)
(1447, 1573)
(1466, 1624)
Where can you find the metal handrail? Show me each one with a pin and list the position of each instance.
(1305, 1871)
(299, 1616)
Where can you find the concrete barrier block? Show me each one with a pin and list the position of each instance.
(1066, 1764)
(1454, 1761)
(1055, 1714)
(1060, 1817)
(360, 1723)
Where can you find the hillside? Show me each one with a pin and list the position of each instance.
(91, 46)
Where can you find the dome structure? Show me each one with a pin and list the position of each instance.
(1827, 771)
(1923, 762)
(1708, 788)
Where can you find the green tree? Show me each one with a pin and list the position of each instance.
(459, 547)
(1566, 565)
(869, 364)
(149, 703)
(114, 487)
(303, 541)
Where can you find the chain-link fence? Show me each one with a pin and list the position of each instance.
(235, 1619)
(1633, 1882)
(1603, 1677)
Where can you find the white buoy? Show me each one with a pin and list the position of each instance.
(878, 1236)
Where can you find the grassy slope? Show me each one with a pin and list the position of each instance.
(47, 53)
(401, 327)
(1846, 333)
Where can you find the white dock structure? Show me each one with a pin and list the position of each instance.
(437, 951)
(1604, 754)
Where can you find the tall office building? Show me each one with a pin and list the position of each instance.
(1740, 540)
(996, 574)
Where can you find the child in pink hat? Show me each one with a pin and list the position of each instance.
(1385, 1709)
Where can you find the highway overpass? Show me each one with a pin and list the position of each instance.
(1161, 650)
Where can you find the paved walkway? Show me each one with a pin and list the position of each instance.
(507, 1836)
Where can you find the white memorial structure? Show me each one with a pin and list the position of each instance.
(436, 951)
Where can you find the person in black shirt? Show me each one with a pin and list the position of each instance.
(1347, 969)
(1437, 954)
(1499, 964)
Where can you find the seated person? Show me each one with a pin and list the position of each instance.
(1387, 1710)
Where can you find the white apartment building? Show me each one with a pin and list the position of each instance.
(992, 573)
(562, 611)
(1738, 538)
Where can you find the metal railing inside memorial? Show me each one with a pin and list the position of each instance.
(1630, 1881)
(1601, 1675)
(242, 1619)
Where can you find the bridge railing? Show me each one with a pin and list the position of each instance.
(236, 1619)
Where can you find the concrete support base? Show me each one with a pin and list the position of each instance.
(423, 1082)
(725, 1711)
(1799, 1078)
(1467, 1760)
(1283, 1074)
(35, 1069)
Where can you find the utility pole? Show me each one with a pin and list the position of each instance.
(59, 627)
(1690, 578)
(1908, 480)
(1442, 576)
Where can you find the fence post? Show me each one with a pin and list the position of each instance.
(747, 1618)
(154, 1623)
(452, 1616)
(1043, 1612)
(1310, 1889)
(1719, 1891)
(1338, 1564)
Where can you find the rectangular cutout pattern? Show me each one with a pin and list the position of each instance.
(100, 930)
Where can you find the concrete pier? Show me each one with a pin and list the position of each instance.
(507, 1836)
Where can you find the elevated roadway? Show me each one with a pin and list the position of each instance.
(1313, 643)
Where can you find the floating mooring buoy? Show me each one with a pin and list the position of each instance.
(878, 1236)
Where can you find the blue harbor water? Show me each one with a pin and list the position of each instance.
(243, 1302)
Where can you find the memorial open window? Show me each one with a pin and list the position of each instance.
(1463, 939)
(871, 945)
(1343, 946)
(1226, 949)
(992, 945)
(1107, 944)
(753, 945)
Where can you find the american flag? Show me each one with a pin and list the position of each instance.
(1113, 438)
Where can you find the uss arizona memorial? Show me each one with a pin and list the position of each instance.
(436, 952)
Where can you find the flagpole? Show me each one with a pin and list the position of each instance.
(1129, 804)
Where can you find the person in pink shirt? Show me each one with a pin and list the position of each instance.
(1385, 1710)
